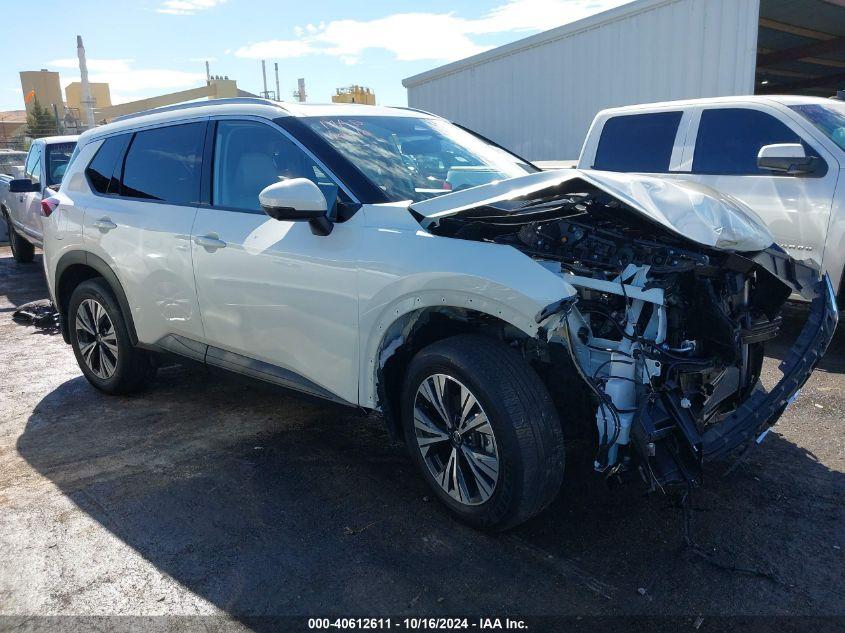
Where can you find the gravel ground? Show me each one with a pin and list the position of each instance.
(208, 496)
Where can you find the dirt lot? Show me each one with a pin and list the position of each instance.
(207, 496)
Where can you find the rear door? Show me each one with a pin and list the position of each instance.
(146, 189)
(724, 156)
(278, 302)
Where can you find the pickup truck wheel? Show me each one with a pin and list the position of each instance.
(482, 429)
(22, 251)
(101, 343)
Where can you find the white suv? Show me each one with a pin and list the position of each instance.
(327, 249)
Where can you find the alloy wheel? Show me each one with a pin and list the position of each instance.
(456, 439)
(96, 338)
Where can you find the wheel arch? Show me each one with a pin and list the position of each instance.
(414, 329)
(75, 267)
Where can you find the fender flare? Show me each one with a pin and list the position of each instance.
(94, 262)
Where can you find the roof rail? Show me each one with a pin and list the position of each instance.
(198, 104)
(417, 110)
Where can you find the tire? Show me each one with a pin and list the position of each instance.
(94, 318)
(527, 440)
(22, 251)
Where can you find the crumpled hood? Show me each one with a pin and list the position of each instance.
(689, 209)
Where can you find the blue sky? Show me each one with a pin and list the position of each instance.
(150, 47)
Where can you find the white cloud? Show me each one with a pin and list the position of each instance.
(187, 7)
(279, 49)
(421, 36)
(200, 60)
(127, 83)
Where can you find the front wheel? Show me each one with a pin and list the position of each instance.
(483, 431)
(22, 251)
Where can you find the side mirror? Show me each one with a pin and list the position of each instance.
(787, 158)
(297, 199)
(23, 185)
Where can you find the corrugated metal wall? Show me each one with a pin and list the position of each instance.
(539, 99)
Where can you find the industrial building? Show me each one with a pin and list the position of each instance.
(538, 95)
(45, 87)
(100, 95)
(354, 94)
(12, 129)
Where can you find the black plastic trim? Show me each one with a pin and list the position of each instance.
(92, 261)
(269, 373)
(207, 169)
(183, 346)
(244, 365)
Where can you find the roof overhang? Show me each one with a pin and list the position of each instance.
(801, 47)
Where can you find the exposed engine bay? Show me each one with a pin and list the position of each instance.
(667, 334)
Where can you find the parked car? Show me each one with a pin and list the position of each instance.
(781, 155)
(297, 244)
(12, 162)
(21, 198)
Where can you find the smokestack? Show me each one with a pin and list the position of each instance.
(207, 72)
(264, 76)
(300, 93)
(86, 102)
(278, 93)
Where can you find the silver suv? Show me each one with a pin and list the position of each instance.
(341, 251)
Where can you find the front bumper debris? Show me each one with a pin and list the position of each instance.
(664, 422)
(761, 410)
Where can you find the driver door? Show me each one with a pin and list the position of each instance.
(277, 301)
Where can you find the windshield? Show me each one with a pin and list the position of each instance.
(58, 158)
(416, 158)
(829, 118)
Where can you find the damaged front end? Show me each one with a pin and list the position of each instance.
(667, 332)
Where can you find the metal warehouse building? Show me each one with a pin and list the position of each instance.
(538, 95)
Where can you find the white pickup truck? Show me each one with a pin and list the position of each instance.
(780, 155)
(20, 198)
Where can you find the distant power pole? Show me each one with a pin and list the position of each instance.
(264, 94)
(87, 101)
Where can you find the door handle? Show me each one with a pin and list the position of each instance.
(105, 225)
(210, 242)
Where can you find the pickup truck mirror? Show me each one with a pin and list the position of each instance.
(23, 185)
(787, 158)
(297, 199)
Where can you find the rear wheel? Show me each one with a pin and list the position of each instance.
(482, 429)
(101, 343)
(22, 251)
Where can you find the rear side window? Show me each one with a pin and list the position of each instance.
(58, 159)
(33, 165)
(165, 164)
(729, 140)
(637, 142)
(101, 170)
